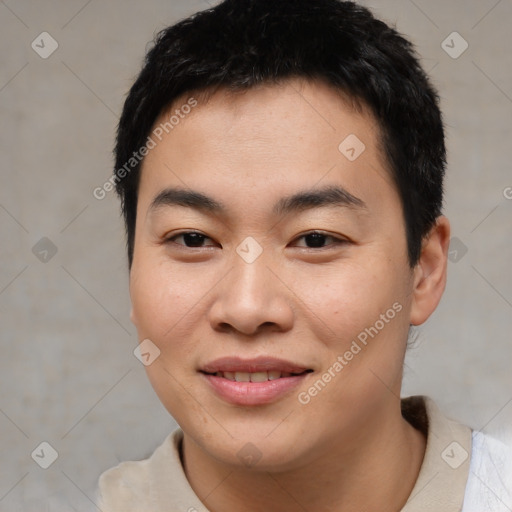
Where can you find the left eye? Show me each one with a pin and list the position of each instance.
(317, 239)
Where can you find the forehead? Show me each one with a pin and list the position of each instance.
(293, 136)
(298, 109)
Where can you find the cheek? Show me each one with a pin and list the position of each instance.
(346, 299)
(160, 298)
(360, 314)
(164, 303)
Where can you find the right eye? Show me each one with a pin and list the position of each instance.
(191, 239)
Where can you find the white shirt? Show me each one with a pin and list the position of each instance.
(489, 487)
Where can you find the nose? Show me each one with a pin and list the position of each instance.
(252, 298)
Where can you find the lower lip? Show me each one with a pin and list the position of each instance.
(253, 393)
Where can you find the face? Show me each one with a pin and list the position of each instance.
(270, 269)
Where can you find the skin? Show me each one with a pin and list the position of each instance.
(349, 448)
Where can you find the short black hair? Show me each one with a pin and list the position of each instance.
(239, 44)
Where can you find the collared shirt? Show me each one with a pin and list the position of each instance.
(462, 471)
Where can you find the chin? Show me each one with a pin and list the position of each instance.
(252, 448)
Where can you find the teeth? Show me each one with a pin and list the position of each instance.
(253, 377)
(259, 377)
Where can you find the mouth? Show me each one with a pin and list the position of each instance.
(256, 381)
(263, 376)
(261, 364)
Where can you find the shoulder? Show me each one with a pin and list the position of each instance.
(127, 486)
(489, 484)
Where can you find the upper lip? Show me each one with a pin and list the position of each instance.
(257, 364)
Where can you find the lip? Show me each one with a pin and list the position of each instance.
(253, 393)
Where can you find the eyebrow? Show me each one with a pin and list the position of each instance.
(330, 196)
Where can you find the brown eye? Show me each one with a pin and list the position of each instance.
(191, 239)
(317, 240)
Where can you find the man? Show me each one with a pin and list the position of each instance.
(280, 166)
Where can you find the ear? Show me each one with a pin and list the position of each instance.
(430, 272)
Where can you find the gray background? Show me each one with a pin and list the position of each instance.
(68, 375)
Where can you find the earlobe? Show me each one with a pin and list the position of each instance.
(430, 272)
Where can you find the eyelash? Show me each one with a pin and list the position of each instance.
(338, 241)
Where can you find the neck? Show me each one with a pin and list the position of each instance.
(377, 472)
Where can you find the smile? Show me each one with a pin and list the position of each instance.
(257, 381)
(256, 376)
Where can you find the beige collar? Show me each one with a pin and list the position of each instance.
(444, 472)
